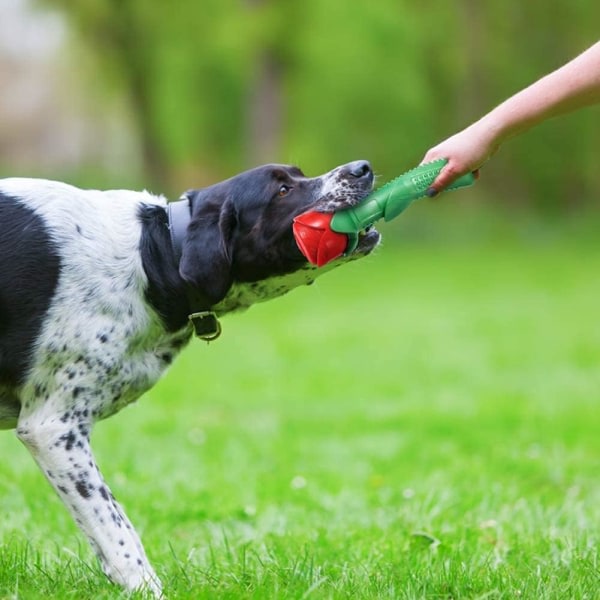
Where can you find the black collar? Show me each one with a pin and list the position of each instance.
(205, 322)
(180, 215)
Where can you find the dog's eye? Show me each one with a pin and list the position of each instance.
(284, 190)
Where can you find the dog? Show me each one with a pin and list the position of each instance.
(99, 290)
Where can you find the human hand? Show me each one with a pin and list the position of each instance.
(465, 152)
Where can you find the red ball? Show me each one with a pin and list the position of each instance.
(315, 238)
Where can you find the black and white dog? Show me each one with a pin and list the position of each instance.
(100, 290)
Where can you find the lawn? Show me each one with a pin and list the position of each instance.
(422, 424)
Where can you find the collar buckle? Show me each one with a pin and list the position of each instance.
(206, 325)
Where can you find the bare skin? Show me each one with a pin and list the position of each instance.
(573, 86)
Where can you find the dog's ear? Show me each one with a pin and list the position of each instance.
(206, 254)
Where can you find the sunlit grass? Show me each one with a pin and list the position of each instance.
(423, 424)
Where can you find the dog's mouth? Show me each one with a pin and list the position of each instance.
(321, 244)
(368, 238)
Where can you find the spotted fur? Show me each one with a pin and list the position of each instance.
(94, 302)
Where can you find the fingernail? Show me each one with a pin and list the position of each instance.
(431, 192)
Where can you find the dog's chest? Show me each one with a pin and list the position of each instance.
(102, 348)
(101, 366)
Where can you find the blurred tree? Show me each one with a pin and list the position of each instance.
(220, 85)
(121, 33)
(265, 102)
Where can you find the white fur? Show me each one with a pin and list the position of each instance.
(100, 348)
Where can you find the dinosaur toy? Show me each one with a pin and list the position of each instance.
(323, 237)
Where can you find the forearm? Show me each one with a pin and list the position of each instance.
(573, 86)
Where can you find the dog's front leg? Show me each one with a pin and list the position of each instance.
(60, 445)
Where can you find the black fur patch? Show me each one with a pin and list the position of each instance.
(166, 290)
(28, 277)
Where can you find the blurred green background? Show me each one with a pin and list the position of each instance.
(442, 392)
(170, 95)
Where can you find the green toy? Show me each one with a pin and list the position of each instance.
(323, 237)
(391, 199)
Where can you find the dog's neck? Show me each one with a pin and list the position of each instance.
(205, 322)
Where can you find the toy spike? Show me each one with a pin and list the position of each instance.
(317, 234)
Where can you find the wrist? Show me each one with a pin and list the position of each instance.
(493, 130)
(488, 135)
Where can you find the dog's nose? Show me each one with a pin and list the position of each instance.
(358, 169)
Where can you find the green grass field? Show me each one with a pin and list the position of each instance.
(422, 424)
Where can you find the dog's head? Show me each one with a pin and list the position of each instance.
(239, 247)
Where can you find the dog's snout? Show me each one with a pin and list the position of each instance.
(358, 169)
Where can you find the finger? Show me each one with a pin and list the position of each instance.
(445, 177)
(444, 180)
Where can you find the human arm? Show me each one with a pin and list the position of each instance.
(574, 85)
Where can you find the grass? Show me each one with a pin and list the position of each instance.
(423, 424)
